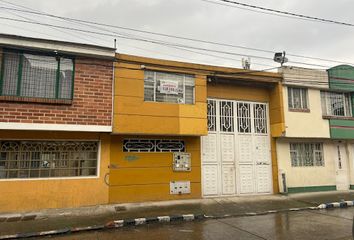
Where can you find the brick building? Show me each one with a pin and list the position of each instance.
(55, 120)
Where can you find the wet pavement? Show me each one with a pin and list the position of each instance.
(312, 224)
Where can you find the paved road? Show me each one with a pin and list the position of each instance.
(317, 224)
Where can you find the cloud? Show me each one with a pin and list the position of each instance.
(203, 20)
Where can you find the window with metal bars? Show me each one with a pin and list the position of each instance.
(297, 98)
(48, 159)
(26, 74)
(306, 154)
(169, 87)
(153, 145)
(335, 104)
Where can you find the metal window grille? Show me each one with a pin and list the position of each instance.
(260, 118)
(185, 90)
(226, 116)
(153, 145)
(47, 159)
(211, 115)
(306, 154)
(339, 158)
(297, 98)
(31, 75)
(335, 104)
(244, 117)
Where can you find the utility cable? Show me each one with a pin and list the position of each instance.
(297, 15)
(90, 23)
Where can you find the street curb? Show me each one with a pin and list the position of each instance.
(159, 219)
(166, 219)
(342, 204)
(109, 225)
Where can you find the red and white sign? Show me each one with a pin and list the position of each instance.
(169, 87)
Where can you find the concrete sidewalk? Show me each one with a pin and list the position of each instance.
(53, 219)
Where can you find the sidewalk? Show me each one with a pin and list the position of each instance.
(53, 219)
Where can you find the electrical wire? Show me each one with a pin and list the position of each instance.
(202, 72)
(297, 15)
(199, 71)
(138, 39)
(90, 23)
(41, 12)
(162, 43)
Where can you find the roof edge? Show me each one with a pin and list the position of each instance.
(80, 49)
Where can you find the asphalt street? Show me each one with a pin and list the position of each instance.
(314, 224)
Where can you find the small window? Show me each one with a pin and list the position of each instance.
(153, 145)
(297, 98)
(36, 76)
(306, 154)
(39, 159)
(335, 104)
(211, 112)
(169, 87)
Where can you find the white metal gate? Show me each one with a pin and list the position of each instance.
(236, 153)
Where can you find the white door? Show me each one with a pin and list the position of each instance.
(210, 165)
(236, 152)
(262, 148)
(342, 180)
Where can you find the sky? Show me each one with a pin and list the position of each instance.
(208, 20)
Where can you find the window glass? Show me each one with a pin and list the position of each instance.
(297, 98)
(39, 76)
(10, 73)
(306, 154)
(66, 78)
(335, 104)
(169, 87)
(37, 159)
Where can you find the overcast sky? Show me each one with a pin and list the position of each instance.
(200, 19)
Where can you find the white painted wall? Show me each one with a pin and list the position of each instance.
(304, 77)
(350, 149)
(307, 176)
(306, 124)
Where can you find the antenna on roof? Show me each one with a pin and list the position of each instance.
(246, 63)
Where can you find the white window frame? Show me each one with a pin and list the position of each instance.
(303, 95)
(306, 154)
(327, 108)
(184, 84)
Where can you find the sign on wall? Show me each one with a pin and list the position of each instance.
(169, 87)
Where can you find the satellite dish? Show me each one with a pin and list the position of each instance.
(279, 57)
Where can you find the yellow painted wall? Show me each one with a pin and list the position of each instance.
(148, 177)
(132, 115)
(276, 111)
(237, 92)
(25, 195)
(277, 127)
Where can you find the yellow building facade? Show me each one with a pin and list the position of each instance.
(55, 123)
(145, 174)
(42, 193)
(151, 130)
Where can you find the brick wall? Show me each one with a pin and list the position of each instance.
(91, 105)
